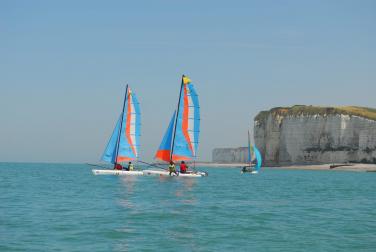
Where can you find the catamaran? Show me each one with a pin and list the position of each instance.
(124, 143)
(180, 142)
(253, 155)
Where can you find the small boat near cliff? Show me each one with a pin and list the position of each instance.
(123, 145)
(254, 159)
(180, 141)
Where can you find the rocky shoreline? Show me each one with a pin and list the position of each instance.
(321, 167)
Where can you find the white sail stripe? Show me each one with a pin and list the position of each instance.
(191, 113)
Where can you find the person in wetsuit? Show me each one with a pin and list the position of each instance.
(246, 170)
(172, 169)
(183, 167)
(130, 166)
(118, 167)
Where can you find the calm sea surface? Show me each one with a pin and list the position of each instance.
(63, 207)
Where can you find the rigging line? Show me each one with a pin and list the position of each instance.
(157, 166)
(97, 165)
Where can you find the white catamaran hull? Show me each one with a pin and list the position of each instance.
(250, 172)
(166, 173)
(148, 173)
(118, 172)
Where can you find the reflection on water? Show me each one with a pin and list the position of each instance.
(189, 182)
(152, 200)
(184, 191)
(184, 187)
(128, 182)
(181, 188)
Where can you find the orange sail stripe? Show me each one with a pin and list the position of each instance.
(180, 158)
(163, 155)
(123, 159)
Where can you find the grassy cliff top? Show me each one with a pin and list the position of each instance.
(296, 110)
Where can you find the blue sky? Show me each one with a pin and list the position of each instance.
(64, 66)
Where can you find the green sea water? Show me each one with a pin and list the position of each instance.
(63, 207)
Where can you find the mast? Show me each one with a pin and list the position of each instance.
(249, 150)
(121, 125)
(176, 118)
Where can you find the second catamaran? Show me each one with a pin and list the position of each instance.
(180, 141)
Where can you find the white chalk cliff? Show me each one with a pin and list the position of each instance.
(313, 135)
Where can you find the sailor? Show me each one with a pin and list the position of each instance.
(245, 169)
(183, 167)
(118, 167)
(172, 169)
(130, 166)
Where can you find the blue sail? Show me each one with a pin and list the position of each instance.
(164, 150)
(109, 153)
(258, 158)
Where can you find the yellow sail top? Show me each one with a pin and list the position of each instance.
(186, 80)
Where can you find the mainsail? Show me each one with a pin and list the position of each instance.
(258, 158)
(125, 139)
(180, 141)
(254, 154)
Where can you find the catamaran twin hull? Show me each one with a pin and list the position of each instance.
(117, 172)
(166, 173)
(250, 172)
(148, 173)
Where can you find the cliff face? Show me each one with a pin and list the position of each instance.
(230, 155)
(312, 135)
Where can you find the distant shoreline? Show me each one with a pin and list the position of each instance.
(323, 167)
